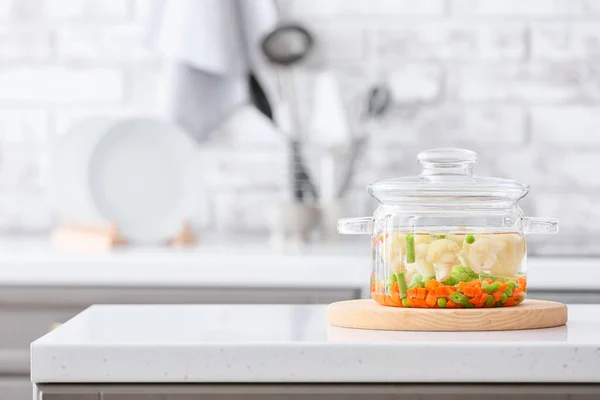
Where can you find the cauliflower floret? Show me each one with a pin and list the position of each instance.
(423, 267)
(423, 239)
(458, 239)
(499, 254)
(510, 251)
(394, 247)
(443, 254)
(480, 253)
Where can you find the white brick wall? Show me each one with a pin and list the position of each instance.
(518, 81)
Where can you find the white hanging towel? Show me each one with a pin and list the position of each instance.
(210, 46)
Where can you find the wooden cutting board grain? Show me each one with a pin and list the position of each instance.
(366, 314)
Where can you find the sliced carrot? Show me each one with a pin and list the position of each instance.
(484, 297)
(451, 289)
(396, 300)
(497, 295)
(510, 302)
(372, 287)
(503, 287)
(475, 301)
(451, 304)
(475, 282)
(488, 280)
(431, 284)
(469, 291)
(394, 287)
(421, 293)
(441, 291)
(462, 286)
(412, 292)
(478, 290)
(419, 303)
(431, 300)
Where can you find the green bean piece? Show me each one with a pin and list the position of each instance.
(442, 302)
(393, 278)
(410, 248)
(405, 302)
(511, 284)
(492, 287)
(461, 299)
(508, 292)
(450, 282)
(469, 238)
(484, 284)
(415, 280)
(489, 301)
(504, 298)
(402, 284)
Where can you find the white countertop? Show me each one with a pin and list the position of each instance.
(238, 262)
(266, 343)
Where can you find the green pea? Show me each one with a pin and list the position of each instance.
(489, 301)
(504, 298)
(405, 302)
(493, 287)
(511, 284)
(442, 302)
(469, 238)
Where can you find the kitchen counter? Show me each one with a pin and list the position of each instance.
(295, 344)
(237, 262)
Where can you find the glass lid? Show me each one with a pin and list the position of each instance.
(447, 176)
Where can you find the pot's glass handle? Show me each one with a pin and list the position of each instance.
(355, 226)
(540, 225)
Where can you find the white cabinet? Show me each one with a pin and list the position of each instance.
(16, 388)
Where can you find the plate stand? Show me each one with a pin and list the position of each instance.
(72, 236)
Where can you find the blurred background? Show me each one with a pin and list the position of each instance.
(238, 126)
(515, 81)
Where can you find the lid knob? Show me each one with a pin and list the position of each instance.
(447, 160)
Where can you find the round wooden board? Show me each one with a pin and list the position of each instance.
(366, 314)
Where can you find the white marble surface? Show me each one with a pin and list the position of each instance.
(233, 262)
(266, 343)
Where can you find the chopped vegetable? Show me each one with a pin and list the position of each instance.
(441, 302)
(489, 301)
(450, 282)
(504, 298)
(405, 302)
(392, 278)
(469, 238)
(461, 299)
(463, 274)
(492, 288)
(402, 284)
(410, 248)
(508, 291)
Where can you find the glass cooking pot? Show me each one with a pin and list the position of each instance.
(448, 238)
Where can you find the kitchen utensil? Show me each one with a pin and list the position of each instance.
(366, 314)
(448, 238)
(380, 100)
(139, 174)
(377, 104)
(285, 46)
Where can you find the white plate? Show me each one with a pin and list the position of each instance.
(143, 176)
